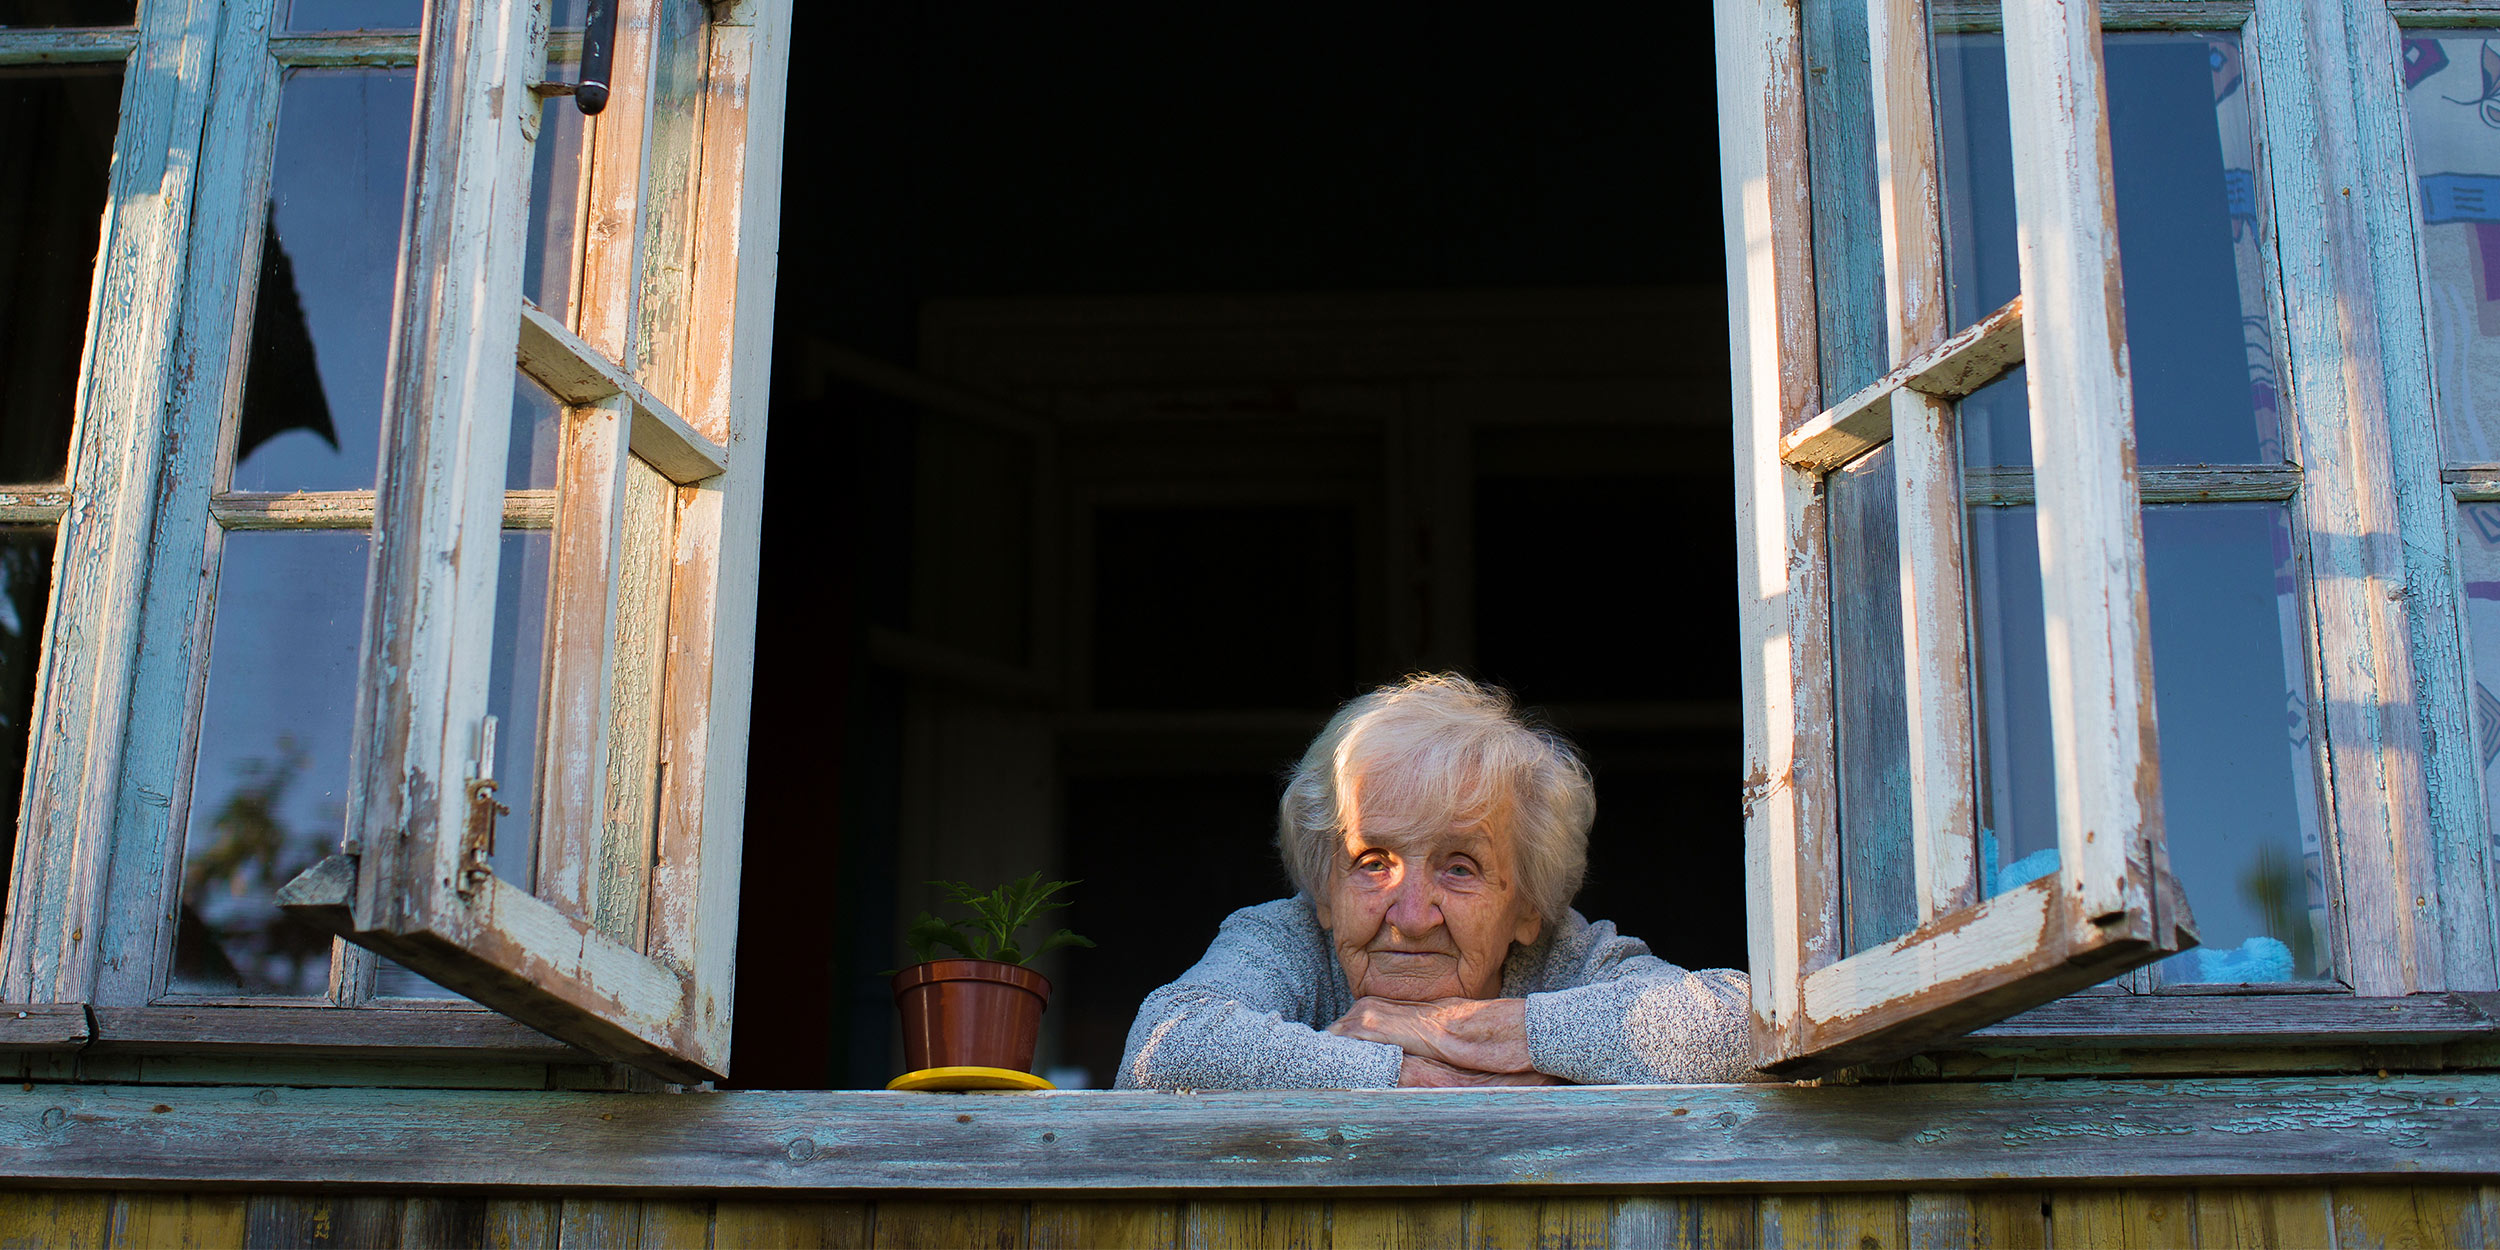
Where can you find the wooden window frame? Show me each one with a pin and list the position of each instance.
(2404, 835)
(91, 925)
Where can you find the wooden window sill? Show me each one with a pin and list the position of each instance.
(1107, 1143)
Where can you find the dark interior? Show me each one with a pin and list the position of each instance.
(1212, 584)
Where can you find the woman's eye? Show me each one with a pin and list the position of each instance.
(1462, 869)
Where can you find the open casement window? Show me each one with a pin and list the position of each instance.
(1851, 521)
(604, 912)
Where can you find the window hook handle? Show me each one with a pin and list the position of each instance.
(598, 50)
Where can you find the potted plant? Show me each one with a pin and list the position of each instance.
(983, 1010)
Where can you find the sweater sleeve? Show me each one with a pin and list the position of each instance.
(1622, 1016)
(1235, 1021)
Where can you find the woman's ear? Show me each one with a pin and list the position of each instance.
(1322, 903)
(1530, 927)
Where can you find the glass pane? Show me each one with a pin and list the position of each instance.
(553, 266)
(312, 398)
(64, 13)
(530, 462)
(2199, 337)
(60, 124)
(25, 589)
(512, 698)
(321, 15)
(1879, 898)
(2452, 93)
(311, 15)
(2239, 799)
(2478, 566)
(1852, 341)
(269, 788)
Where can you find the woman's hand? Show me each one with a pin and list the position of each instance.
(1417, 1072)
(1482, 1035)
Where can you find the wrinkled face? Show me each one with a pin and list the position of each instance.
(1425, 914)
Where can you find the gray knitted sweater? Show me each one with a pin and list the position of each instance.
(1602, 1010)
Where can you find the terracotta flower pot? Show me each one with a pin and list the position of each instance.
(972, 1013)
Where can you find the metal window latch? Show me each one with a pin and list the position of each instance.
(598, 53)
(477, 840)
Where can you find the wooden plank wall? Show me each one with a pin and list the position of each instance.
(2347, 1215)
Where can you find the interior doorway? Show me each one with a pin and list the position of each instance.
(1081, 522)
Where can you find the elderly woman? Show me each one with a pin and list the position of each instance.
(1436, 841)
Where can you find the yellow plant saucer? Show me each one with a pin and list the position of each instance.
(968, 1078)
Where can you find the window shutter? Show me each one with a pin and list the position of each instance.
(622, 941)
(1970, 959)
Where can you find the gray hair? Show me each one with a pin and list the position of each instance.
(1439, 750)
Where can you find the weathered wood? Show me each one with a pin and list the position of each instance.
(628, 828)
(676, 1222)
(73, 46)
(2196, 484)
(556, 973)
(1835, 1221)
(1973, 357)
(2459, 886)
(353, 510)
(2100, 654)
(429, 628)
(385, 48)
(739, 1225)
(33, 507)
(1055, 1225)
(2468, 14)
(608, 1223)
(592, 469)
(1283, 1223)
(41, 1219)
(74, 779)
(1783, 579)
(150, 1221)
(43, 1027)
(2243, 1020)
(908, 1222)
(2417, 1129)
(1386, 1224)
(711, 674)
(2260, 1219)
(577, 373)
(518, 1223)
(2397, 744)
(323, 1220)
(2010, 1220)
(414, 1033)
(1964, 16)
(1935, 630)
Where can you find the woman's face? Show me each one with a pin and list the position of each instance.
(1425, 915)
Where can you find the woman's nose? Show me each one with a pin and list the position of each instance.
(1415, 906)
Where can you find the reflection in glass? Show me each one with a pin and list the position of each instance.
(312, 397)
(537, 420)
(59, 123)
(1872, 714)
(25, 589)
(552, 268)
(63, 13)
(2478, 567)
(512, 698)
(2199, 337)
(324, 15)
(2239, 803)
(313, 15)
(2455, 125)
(269, 786)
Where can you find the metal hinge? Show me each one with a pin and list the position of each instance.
(477, 839)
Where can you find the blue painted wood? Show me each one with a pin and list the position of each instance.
(73, 783)
(214, 326)
(2383, 191)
